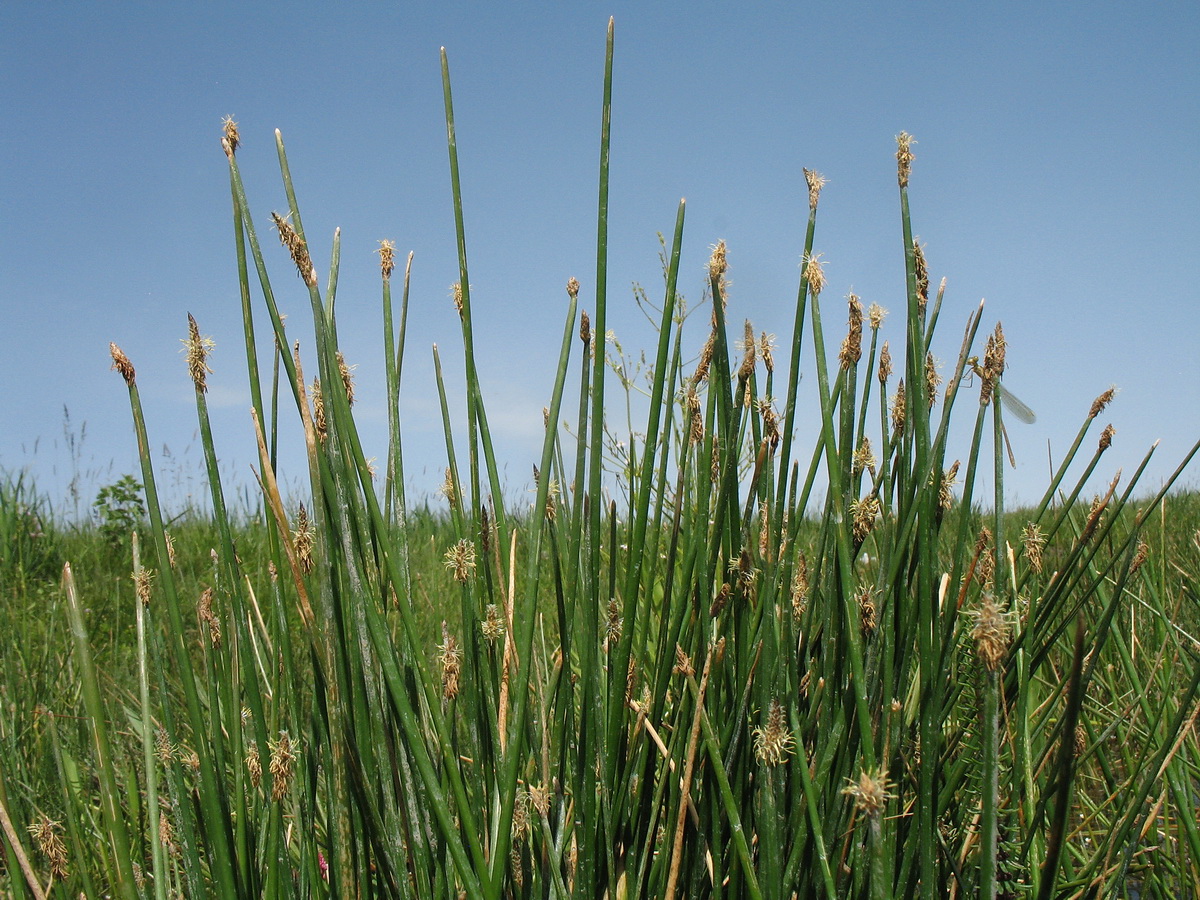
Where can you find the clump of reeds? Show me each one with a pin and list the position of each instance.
(704, 689)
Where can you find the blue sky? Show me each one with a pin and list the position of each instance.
(1056, 176)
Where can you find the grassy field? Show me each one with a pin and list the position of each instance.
(719, 665)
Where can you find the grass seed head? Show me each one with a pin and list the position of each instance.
(460, 560)
(815, 182)
(932, 379)
(231, 139)
(992, 631)
(774, 741)
(320, 423)
(750, 346)
(493, 627)
(450, 659)
(799, 592)
(254, 764)
(197, 349)
(864, 457)
(122, 364)
(387, 258)
(1101, 402)
(283, 766)
(141, 584)
(1106, 437)
(885, 363)
(870, 792)
(946, 486)
(1034, 542)
(864, 514)
(814, 274)
(573, 288)
(347, 374)
(298, 249)
(899, 401)
(204, 611)
(875, 315)
(46, 834)
(304, 540)
(904, 157)
(718, 264)
(851, 351)
(922, 273)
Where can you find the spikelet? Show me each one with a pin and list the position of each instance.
(304, 539)
(231, 139)
(885, 363)
(815, 182)
(851, 351)
(297, 248)
(1034, 542)
(283, 766)
(904, 157)
(870, 792)
(387, 258)
(773, 742)
(1101, 402)
(46, 834)
(122, 364)
(197, 349)
(460, 559)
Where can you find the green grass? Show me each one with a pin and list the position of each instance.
(760, 670)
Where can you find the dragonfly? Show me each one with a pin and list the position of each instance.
(1010, 402)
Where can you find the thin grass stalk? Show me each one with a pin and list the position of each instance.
(592, 747)
(110, 796)
(158, 863)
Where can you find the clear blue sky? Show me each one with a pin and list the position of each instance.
(1056, 176)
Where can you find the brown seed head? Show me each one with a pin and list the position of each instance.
(864, 457)
(573, 288)
(799, 592)
(460, 559)
(320, 423)
(868, 611)
(770, 422)
(706, 355)
(493, 626)
(870, 792)
(946, 488)
(304, 540)
(851, 351)
(204, 612)
(1099, 404)
(904, 157)
(932, 379)
(1034, 542)
(1106, 437)
(585, 329)
(387, 258)
(283, 766)
(815, 183)
(612, 625)
(922, 273)
(46, 834)
(899, 400)
(297, 248)
(141, 584)
(230, 138)
(863, 514)
(885, 363)
(450, 659)
(814, 273)
(718, 265)
(773, 741)
(766, 349)
(197, 349)
(254, 764)
(347, 373)
(122, 364)
(447, 489)
(696, 428)
(991, 631)
(1139, 558)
